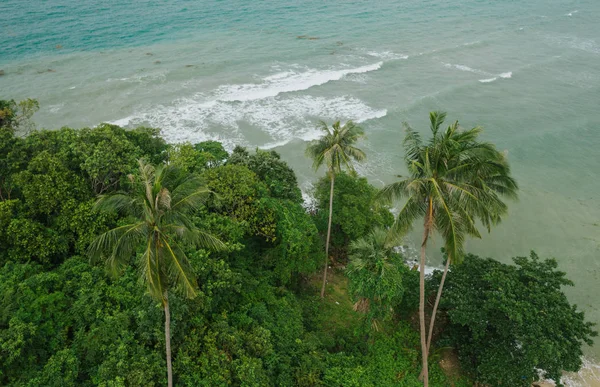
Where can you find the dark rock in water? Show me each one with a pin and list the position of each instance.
(59, 46)
(313, 38)
(339, 43)
(1, 73)
(189, 65)
(307, 37)
(301, 37)
(157, 62)
(46, 71)
(149, 54)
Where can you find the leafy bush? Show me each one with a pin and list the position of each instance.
(509, 321)
(355, 210)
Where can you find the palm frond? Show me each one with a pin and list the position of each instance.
(178, 267)
(412, 144)
(436, 119)
(119, 244)
(413, 209)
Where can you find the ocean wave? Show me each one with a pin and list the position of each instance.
(587, 376)
(142, 78)
(285, 82)
(465, 68)
(280, 120)
(492, 77)
(388, 55)
(574, 42)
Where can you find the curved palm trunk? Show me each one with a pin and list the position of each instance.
(437, 302)
(424, 349)
(328, 236)
(168, 340)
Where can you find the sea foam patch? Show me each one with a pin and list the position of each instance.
(282, 119)
(287, 81)
(264, 114)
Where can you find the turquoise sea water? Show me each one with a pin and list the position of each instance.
(261, 73)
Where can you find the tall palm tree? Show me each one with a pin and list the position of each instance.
(454, 180)
(336, 150)
(159, 206)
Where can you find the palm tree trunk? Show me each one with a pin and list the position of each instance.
(168, 340)
(328, 235)
(437, 302)
(424, 350)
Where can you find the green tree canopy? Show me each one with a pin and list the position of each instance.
(507, 322)
(356, 210)
(279, 178)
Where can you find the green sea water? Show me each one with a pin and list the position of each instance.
(262, 73)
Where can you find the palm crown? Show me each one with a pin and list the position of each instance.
(454, 181)
(335, 149)
(159, 206)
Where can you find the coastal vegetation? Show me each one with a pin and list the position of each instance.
(127, 261)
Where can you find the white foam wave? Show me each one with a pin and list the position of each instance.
(588, 376)
(492, 78)
(280, 120)
(388, 55)
(286, 82)
(465, 68)
(142, 78)
(572, 13)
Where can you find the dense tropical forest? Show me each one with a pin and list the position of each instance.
(127, 261)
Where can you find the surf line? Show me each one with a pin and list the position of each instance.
(492, 77)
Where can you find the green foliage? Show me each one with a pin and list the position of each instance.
(213, 152)
(148, 140)
(239, 194)
(355, 209)
(375, 271)
(47, 184)
(499, 313)
(390, 360)
(12, 159)
(15, 115)
(106, 156)
(186, 157)
(32, 241)
(72, 326)
(298, 243)
(279, 178)
(8, 112)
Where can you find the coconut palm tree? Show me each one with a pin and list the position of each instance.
(454, 181)
(158, 206)
(336, 150)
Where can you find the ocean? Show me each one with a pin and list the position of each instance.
(262, 73)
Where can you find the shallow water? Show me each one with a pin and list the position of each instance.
(262, 73)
